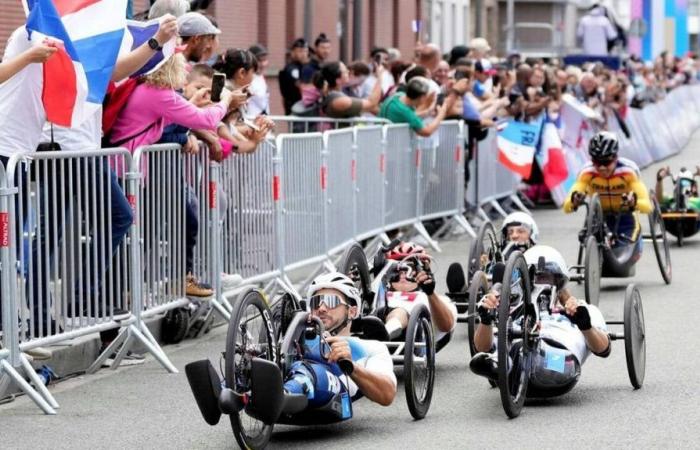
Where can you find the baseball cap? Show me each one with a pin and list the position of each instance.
(195, 24)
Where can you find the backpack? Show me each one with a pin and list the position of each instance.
(114, 102)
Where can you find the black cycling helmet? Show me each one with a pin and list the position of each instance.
(603, 146)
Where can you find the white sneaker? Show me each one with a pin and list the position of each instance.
(230, 281)
(38, 353)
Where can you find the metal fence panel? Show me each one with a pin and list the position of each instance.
(301, 190)
(441, 172)
(402, 161)
(250, 235)
(340, 179)
(162, 221)
(369, 170)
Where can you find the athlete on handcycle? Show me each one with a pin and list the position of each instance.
(403, 287)
(617, 182)
(568, 333)
(334, 299)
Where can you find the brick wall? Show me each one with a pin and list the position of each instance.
(11, 17)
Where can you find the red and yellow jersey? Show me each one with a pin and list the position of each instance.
(624, 179)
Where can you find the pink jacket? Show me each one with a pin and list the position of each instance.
(160, 107)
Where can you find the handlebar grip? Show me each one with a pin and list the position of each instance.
(346, 366)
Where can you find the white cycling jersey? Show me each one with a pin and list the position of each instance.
(560, 329)
(408, 300)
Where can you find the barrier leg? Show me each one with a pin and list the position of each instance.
(6, 368)
(482, 214)
(111, 348)
(155, 350)
(420, 228)
(515, 199)
(31, 374)
(217, 306)
(457, 220)
(497, 207)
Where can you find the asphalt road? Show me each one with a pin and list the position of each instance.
(144, 407)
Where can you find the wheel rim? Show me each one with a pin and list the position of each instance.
(422, 355)
(638, 337)
(477, 289)
(485, 249)
(251, 340)
(658, 232)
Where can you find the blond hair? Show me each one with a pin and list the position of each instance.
(171, 74)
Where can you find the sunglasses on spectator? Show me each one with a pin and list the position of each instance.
(330, 301)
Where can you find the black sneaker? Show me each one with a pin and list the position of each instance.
(485, 364)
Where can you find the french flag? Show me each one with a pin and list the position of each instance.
(138, 34)
(552, 160)
(516, 145)
(89, 35)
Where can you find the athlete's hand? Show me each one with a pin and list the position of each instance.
(487, 305)
(426, 282)
(167, 29)
(629, 200)
(662, 173)
(577, 199)
(340, 349)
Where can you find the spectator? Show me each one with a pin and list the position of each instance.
(330, 81)
(595, 29)
(587, 90)
(458, 52)
(358, 73)
(259, 101)
(483, 82)
(441, 74)
(321, 52)
(199, 36)
(176, 8)
(401, 108)
(289, 76)
(393, 54)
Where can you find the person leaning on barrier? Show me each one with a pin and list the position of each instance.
(331, 79)
(401, 107)
(199, 36)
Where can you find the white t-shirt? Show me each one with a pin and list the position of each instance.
(409, 300)
(559, 328)
(22, 114)
(86, 137)
(260, 100)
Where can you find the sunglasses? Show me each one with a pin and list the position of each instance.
(330, 301)
(603, 163)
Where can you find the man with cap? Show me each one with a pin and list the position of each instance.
(290, 76)
(479, 52)
(482, 76)
(259, 102)
(198, 35)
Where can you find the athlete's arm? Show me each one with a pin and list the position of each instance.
(483, 338)
(643, 200)
(440, 312)
(581, 185)
(376, 386)
(596, 340)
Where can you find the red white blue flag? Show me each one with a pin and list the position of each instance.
(552, 160)
(517, 142)
(89, 35)
(141, 32)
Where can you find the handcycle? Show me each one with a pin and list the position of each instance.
(415, 349)
(517, 318)
(679, 219)
(598, 257)
(255, 361)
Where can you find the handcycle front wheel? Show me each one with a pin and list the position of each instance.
(483, 249)
(635, 336)
(478, 287)
(659, 239)
(250, 335)
(515, 323)
(591, 271)
(419, 362)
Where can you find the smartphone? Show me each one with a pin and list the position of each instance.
(217, 86)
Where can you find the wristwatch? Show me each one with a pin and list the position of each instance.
(153, 43)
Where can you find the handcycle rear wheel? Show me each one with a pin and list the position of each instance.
(250, 334)
(353, 263)
(662, 248)
(419, 362)
(515, 310)
(591, 271)
(478, 287)
(635, 336)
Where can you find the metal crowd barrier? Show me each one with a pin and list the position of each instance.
(369, 175)
(302, 124)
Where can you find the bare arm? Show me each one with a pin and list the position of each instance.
(35, 54)
(483, 338)
(377, 387)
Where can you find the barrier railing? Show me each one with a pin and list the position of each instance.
(302, 124)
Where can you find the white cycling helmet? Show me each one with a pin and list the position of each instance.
(554, 263)
(339, 282)
(521, 219)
